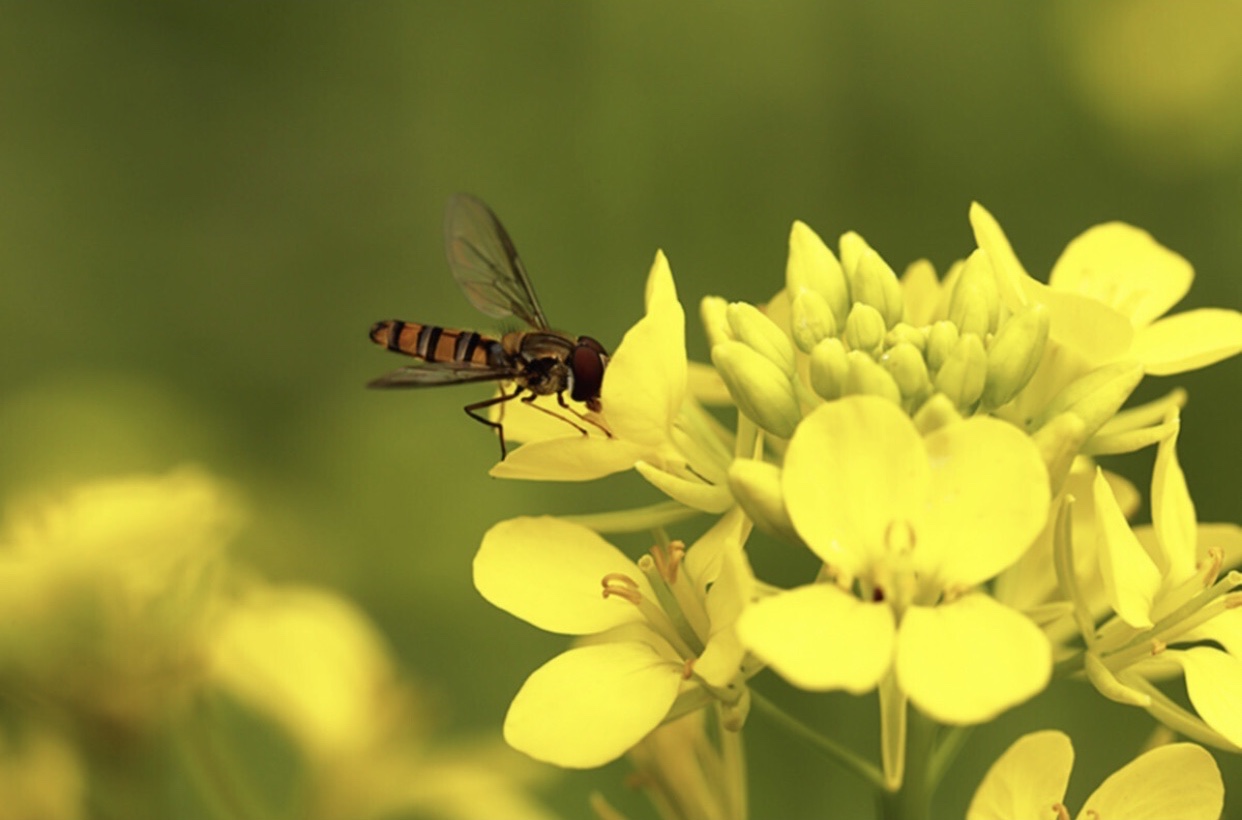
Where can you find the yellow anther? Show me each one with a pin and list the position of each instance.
(620, 585)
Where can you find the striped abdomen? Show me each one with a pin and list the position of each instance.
(437, 344)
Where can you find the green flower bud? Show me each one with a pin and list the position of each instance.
(812, 266)
(905, 364)
(757, 487)
(964, 372)
(876, 284)
(752, 327)
(830, 368)
(715, 325)
(864, 329)
(1016, 352)
(1096, 397)
(811, 320)
(975, 304)
(759, 388)
(867, 377)
(941, 340)
(935, 413)
(910, 334)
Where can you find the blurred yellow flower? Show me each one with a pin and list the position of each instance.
(41, 778)
(108, 590)
(1179, 781)
(313, 663)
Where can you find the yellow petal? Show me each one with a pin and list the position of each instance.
(709, 498)
(1180, 781)
(1188, 341)
(853, 468)
(1173, 513)
(549, 573)
(570, 458)
(1213, 681)
(660, 292)
(1130, 576)
(1126, 269)
(1026, 781)
(968, 661)
(818, 637)
(988, 500)
(590, 705)
(1089, 327)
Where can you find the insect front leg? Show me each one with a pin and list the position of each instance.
(560, 398)
(496, 425)
(530, 401)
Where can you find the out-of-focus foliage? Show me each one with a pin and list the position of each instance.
(204, 207)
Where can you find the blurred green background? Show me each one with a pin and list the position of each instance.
(204, 206)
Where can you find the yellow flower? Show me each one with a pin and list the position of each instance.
(107, 591)
(660, 641)
(909, 527)
(313, 663)
(1171, 611)
(1107, 294)
(655, 427)
(41, 777)
(1179, 781)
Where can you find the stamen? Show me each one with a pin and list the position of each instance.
(1215, 561)
(1158, 646)
(622, 586)
(668, 559)
(1062, 812)
(687, 669)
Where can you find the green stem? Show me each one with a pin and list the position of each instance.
(912, 801)
(839, 754)
(221, 785)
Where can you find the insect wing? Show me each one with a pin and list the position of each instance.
(438, 373)
(485, 263)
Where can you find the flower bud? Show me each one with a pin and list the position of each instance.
(759, 388)
(829, 369)
(1016, 352)
(941, 340)
(975, 304)
(811, 320)
(964, 372)
(715, 325)
(876, 284)
(935, 413)
(905, 364)
(1096, 397)
(812, 266)
(864, 329)
(757, 487)
(752, 327)
(903, 332)
(867, 377)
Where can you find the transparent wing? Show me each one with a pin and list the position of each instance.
(438, 373)
(485, 263)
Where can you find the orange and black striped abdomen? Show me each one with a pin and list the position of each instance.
(436, 344)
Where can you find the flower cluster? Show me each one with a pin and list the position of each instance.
(933, 442)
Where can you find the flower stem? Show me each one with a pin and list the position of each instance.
(844, 757)
(637, 519)
(912, 801)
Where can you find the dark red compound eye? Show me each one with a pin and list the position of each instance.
(588, 362)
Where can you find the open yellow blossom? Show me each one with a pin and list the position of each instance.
(1107, 293)
(1179, 781)
(660, 641)
(655, 427)
(107, 591)
(910, 527)
(1172, 612)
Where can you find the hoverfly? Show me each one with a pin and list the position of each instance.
(539, 362)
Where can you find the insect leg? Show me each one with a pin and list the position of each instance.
(497, 426)
(560, 398)
(530, 401)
